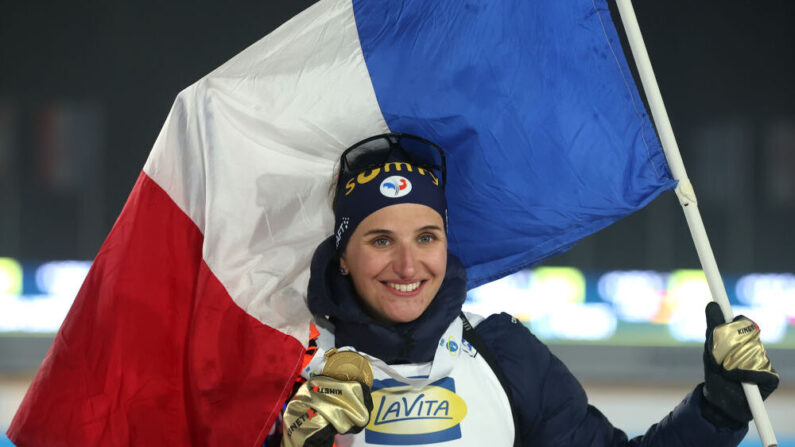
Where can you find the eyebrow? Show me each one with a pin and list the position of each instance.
(377, 231)
(388, 232)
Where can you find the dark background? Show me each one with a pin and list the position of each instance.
(86, 86)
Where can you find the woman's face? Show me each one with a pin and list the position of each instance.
(397, 258)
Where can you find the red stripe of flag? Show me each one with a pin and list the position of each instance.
(154, 351)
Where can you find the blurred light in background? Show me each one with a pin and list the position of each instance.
(587, 321)
(634, 307)
(772, 291)
(635, 295)
(10, 277)
(62, 277)
(559, 304)
(688, 294)
(43, 296)
(529, 294)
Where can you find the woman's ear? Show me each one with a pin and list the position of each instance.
(343, 267)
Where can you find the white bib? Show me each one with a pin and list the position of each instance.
(455, 400)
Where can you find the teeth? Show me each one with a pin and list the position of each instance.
(404, 287)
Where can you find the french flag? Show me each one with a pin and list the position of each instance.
(191, 325)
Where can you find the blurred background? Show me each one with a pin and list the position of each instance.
(85, 87)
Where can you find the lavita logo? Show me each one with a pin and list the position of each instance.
(403, 415)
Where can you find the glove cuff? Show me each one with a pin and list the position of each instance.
(718, 417)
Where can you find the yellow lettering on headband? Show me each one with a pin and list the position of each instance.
(349, 185)
(362, 179)
(397, 165)
(365, 176)
(435, 180)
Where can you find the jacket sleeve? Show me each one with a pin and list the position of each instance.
(554, 410)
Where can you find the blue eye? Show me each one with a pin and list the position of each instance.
(381, 242)
(426, 239)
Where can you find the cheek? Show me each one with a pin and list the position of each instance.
(439, 264)
(366, 268)
(371, 264)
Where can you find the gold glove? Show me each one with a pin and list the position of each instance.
(733, 353)
(736, 345)
(338, 401)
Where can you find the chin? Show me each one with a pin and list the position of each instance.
(402, 318)
(405, 315)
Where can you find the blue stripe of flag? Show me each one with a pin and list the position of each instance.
(547, 138)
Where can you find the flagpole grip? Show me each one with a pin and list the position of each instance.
(718, 290)
(687, 199)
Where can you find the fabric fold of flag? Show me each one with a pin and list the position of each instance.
(191, 325)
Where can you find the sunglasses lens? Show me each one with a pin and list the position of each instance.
(379, 150)
(367, 155)
(422, 152)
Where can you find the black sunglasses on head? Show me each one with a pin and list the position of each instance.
(377, 150)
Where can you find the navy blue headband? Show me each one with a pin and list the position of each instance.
(366, 192)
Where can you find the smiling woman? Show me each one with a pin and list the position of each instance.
(397, 258)
(385, 285)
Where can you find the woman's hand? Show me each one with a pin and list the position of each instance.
(733, 353)
(323, 407)
(337, 401)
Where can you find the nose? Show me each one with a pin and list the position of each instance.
(404, 262)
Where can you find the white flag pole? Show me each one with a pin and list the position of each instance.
(687, 198)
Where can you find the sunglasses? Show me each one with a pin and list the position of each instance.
(375, 151)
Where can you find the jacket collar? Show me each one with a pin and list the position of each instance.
(331, 295)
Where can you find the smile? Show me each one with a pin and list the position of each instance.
(405, 287)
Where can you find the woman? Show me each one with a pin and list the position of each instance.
(385, 285)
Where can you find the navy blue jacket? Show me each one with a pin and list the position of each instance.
(554, 410)
(552, 406)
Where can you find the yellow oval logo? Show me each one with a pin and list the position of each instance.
(401, 410)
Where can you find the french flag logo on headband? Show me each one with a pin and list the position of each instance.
(395, 186)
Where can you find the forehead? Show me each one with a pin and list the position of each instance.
(401, 217)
